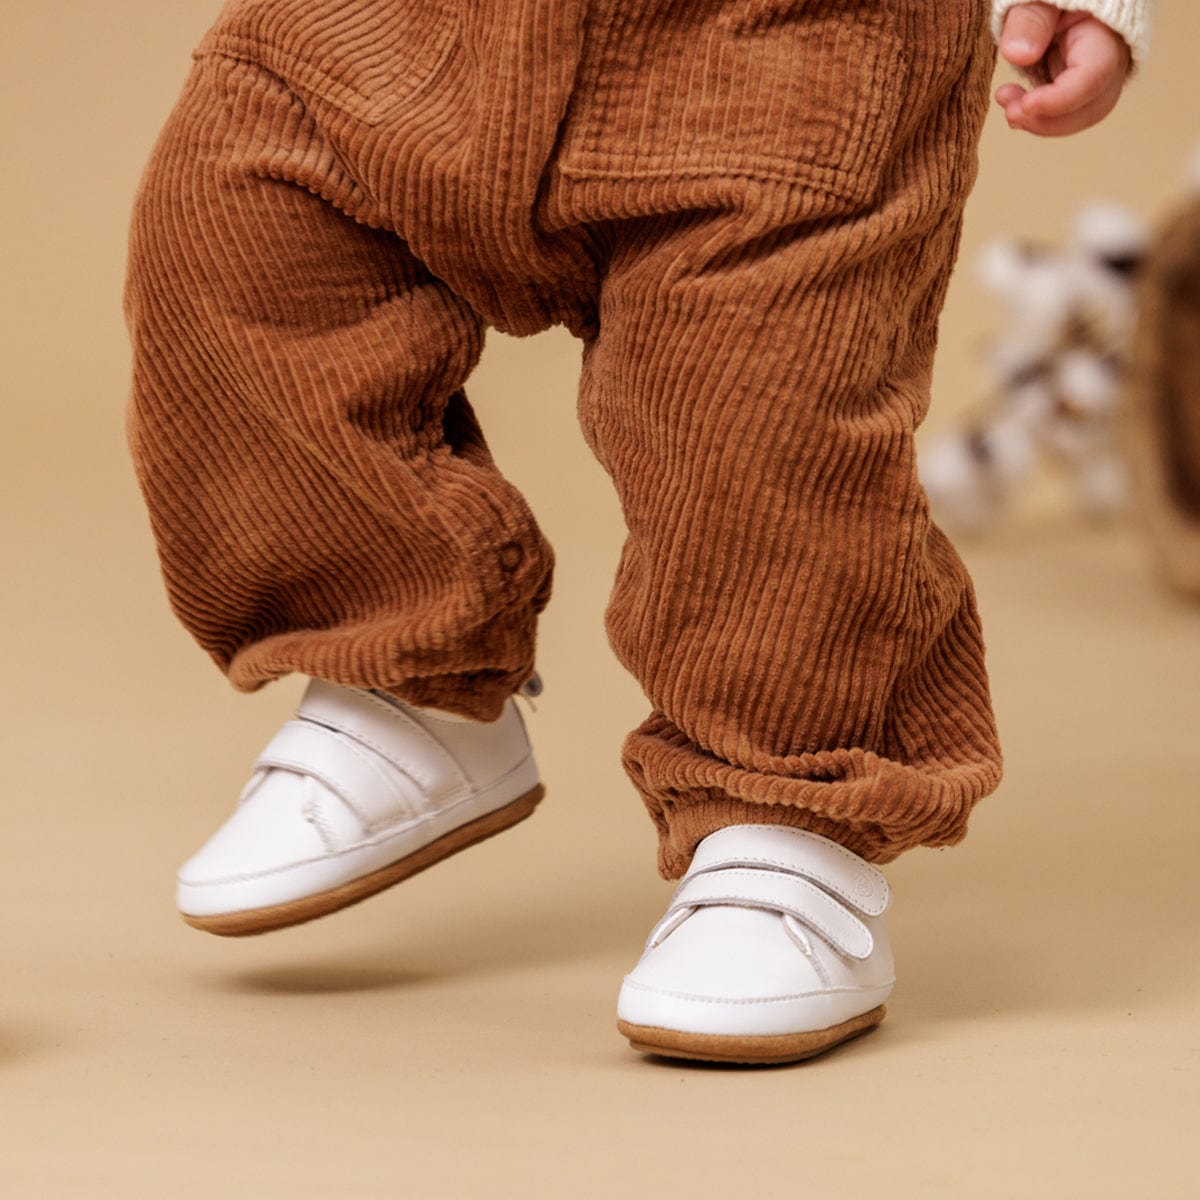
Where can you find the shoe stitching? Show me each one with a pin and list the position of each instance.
(833, 991)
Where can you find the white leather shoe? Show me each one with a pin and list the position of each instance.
(356, 793)
(773, 949)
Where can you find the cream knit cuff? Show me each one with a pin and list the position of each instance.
(1129, 18)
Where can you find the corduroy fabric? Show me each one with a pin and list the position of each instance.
(746, 209)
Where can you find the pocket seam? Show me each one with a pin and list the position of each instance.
(369, 107)
(585, 157)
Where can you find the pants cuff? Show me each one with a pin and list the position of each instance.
(875, 806)
(472, 678)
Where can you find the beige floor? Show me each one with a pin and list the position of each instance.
(454, 1038)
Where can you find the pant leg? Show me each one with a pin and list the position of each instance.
(807, 637)
(321, 495)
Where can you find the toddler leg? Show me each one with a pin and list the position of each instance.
(324, 502)
(807, 636)
(783, 231)
(321, 494)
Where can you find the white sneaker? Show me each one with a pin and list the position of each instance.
(773, 949)
(356, 793)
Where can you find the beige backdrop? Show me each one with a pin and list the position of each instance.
(454, 1037)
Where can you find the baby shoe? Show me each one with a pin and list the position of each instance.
(772, 949)
(358, 792)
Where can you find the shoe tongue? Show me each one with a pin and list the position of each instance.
(424, 710)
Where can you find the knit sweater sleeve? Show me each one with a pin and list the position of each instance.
(1129, 18)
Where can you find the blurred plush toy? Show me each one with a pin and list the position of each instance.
(1058, 373)
(1163, 409)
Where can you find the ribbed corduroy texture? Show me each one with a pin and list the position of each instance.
(748, 210)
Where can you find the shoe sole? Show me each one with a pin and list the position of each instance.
(759, 1049)
(295, 912)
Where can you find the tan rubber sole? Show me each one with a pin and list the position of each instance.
(757, 1050)
(296, 912)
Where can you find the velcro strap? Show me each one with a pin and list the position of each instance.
(376, 795)
(834, 867)
(783, 893)
(374, 723)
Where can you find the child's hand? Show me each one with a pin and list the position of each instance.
(1080, 65)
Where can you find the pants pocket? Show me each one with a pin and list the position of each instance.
(807, 92)
(365, 58)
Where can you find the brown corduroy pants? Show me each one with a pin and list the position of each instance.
(746, 209)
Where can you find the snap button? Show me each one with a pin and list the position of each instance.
(511, 555)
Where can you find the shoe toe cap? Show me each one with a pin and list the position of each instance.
(740, 971)
(728, 953)
(259, 856)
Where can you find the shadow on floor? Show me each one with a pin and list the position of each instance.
(318, 979)
(564, 921)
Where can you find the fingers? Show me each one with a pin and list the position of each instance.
(1080, 119)
(1084, 65)
(1008, 94)
(1078, 86)
(1028, 31)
